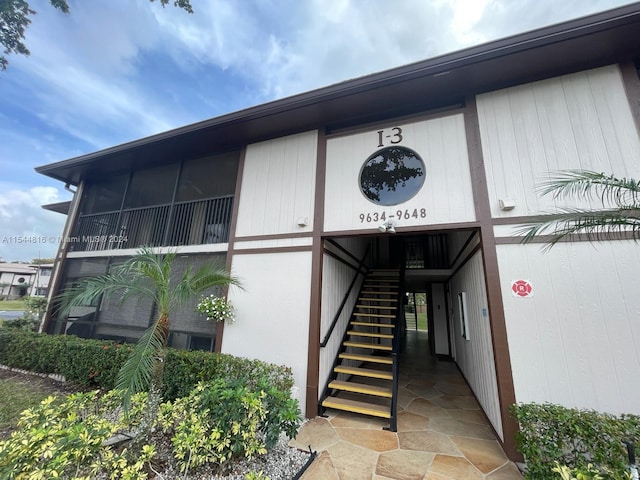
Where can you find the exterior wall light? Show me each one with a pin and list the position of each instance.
(387, 227)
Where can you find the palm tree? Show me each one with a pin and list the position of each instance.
(620, 213)
(147, 274)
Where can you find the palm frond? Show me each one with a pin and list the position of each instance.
(135, 374)
(623, 192)
(594, 225)
(88, 291)
(191, 284)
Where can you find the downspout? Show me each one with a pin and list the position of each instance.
(61, 256)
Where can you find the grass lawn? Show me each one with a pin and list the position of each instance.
(422, 321)
(16, 397)
(12, 305)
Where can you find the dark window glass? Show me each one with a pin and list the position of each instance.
(104, 196)
(208, 177)
(153, 186)
(201, 343)
(392, 176)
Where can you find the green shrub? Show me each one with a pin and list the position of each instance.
(185, 369)
(95, 363)
(587, 473)
(225, 418)
(63, 439)
(552, 435)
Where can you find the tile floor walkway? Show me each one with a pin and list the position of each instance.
(442, 433)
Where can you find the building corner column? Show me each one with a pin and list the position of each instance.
(497, 321)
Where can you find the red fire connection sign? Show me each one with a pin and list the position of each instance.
(521, 288)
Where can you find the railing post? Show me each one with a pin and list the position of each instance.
(393, 421)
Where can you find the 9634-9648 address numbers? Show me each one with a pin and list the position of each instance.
(406, 214)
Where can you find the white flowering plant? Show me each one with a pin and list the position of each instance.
(216, 309)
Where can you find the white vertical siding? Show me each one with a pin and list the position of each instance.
(475, 356)
(576, 341)
(578, 121)
(439, 319)
(446, 194)
(272, 313)
(278, 186)
(336, 278)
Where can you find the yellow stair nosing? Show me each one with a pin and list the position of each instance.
(357, 407)
(378, 299)
(370, 334)
(373, 346)
(364, 372)
(377, 315)
(366, 358)
(361, 388)
(373, 324)
(377, 307)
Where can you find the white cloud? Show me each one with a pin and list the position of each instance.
(119, 70)
(26, 230)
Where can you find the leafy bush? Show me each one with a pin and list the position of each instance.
(95, 363)
(587, 473)
(552, 435)
(63, 439)
(224, 419)
(185, 369)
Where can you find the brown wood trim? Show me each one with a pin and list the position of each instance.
(631, 83)
(61, 256)
(417, 228)
(341, 260)
(275, 236)
(500, 344)
(315, 301)
(342, 249)
(516, 220)
(453, 109)
(253, 251)
(609, 237)
(466, 244)
(473, 251)
(232, 238)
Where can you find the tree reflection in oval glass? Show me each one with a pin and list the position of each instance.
(392, 175)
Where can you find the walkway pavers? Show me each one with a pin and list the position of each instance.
(442, 433)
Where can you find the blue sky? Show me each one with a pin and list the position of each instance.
(113, 71)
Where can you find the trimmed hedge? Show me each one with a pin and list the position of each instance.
(576, 438)
(95, 363)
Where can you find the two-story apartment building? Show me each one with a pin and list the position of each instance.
(424, 169)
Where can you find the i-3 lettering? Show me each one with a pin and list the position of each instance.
(394, 137)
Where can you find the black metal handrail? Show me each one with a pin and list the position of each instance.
(336, 317)
(395, 350)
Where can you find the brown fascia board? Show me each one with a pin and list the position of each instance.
(604, 38)
(60, 207)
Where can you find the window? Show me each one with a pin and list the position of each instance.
(201, 343)
(104, 196)
(153, 186)
(208, 177)
(464, 319)
(392, 176)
